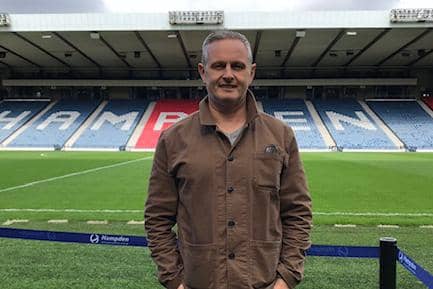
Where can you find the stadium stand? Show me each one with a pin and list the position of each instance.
(428, 101)
(350, 126)
(113, 126)
(164, 114)
(15, 113)
(295, 113)
(54, 127)
(412, 124)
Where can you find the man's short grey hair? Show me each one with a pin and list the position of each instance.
(221, 35)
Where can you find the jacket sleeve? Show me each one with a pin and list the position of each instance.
(296, 215)
(160, 217)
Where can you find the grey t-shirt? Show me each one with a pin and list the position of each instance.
(233, 136)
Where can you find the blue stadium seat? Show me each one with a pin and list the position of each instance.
(56, 126)
(113, 127)
(350, 126)
(412, 124)
(295, 113)
(13, 114)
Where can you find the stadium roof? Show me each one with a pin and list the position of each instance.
(286, 44)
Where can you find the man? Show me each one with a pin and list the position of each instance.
(232, 180)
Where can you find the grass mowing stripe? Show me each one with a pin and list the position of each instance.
(72, 175)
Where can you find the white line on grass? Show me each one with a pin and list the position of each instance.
(70, 211)
(133, 222)
(97, 222)
(345, 225)
(373, 214)
(126, 211)
(73, 174)
(10, 222)
(388, 226)
(58, 221)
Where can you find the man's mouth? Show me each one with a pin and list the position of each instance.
(227, 86)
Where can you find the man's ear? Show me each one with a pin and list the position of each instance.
(201, 70)
(253, 72)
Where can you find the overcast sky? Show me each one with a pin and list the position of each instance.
(125, 6)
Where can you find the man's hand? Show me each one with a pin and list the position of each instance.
(280, 284)
(181, 287)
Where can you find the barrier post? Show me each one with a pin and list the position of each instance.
(388, 263)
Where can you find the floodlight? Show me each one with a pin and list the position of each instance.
(300, 33)
(411, 15)
(196, 17)
(172, 35)
(94, 35)
(4, 19)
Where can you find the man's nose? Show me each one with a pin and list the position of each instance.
(228, 73)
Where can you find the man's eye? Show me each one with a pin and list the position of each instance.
(219, 66)
(237, 66)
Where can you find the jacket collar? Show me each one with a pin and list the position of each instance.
(207, 119)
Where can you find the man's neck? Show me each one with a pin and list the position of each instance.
(228, 118)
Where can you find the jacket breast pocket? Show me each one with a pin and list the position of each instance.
(267, 169)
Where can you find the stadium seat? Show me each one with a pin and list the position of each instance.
(56, 125)
(15, 113)
(350, 126)
(295, 113)
(113, 126)
(412, 124)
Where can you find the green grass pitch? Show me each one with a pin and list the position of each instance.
(366, 189)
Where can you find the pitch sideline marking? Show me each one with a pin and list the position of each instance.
(345, 225)
(72, 174)
(388, 226)
(374, 214)
(62, 221)
(91, 222)
(10, 222)
(126, 211)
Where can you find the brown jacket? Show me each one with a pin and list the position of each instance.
(243, 212)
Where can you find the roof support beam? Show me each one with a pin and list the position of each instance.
(41, 49)
(78, 50)
(141, 40)
(371, 43)
(329, 47)
(256, 45)
(290, 51)
(424, 33)
(114, 51)
(185, 53)
(20, 56)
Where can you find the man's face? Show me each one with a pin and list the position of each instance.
(227, 73)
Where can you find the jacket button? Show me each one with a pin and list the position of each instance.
(230, 189)
(231, 256)
(230, 158)
(231, 223)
